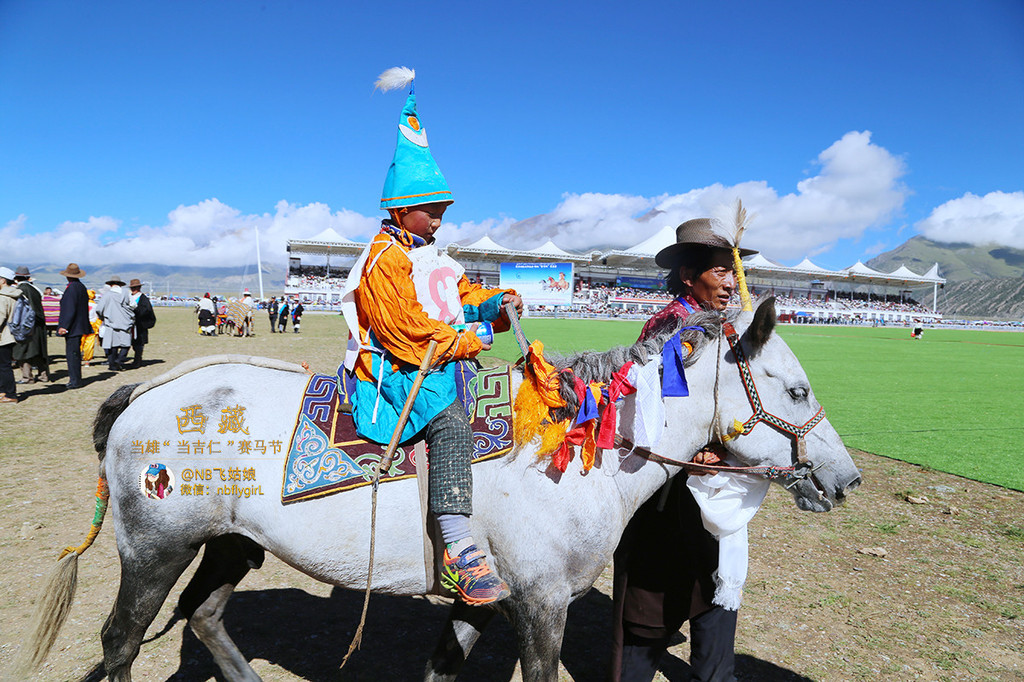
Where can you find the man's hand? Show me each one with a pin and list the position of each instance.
(62, 332)
(515, 300)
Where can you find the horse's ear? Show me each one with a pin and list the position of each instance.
(762, 326)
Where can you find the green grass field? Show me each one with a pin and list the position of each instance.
(949, 401)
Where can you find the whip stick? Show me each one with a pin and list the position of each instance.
(384, 465)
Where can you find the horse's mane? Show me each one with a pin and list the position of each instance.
(600, 365)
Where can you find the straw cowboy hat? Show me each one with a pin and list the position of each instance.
(115, 280)
(72, 270)
(134, 283)
(697, 232)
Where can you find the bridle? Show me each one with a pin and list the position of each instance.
(760, 414)
(802, 467)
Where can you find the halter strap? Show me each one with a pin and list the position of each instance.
(760, 414)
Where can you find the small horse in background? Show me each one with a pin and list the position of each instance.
(550, 534)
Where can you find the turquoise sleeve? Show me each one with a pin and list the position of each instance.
(491, 308)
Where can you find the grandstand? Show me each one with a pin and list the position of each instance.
(626, 282)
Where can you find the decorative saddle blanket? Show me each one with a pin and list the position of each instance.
(325, 456)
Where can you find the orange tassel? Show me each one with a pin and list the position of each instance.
(552, 436)
(530, 411)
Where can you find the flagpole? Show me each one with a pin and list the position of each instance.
(259, 265)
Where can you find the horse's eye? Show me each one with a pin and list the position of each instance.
(798, 393)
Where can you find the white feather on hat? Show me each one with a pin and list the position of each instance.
(394, 78)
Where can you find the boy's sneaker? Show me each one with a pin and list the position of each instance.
(469, 576)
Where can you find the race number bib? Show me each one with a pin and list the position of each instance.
(436, 278)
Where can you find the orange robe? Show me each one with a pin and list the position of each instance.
(387, 305)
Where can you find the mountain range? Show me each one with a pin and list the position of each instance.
(982, 282)
(176, 280)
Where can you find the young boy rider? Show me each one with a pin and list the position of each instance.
(407, 293)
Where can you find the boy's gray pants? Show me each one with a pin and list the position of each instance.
(449, 449)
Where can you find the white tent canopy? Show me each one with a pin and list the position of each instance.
(641, 254)
(326, 243)
(666, 236)
(549, 250)
(330, 235)
(485, 243)
(807, 266)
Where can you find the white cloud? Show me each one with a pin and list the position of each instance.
(94, 226)
(996, 218)
(209, 233)
(858, 187)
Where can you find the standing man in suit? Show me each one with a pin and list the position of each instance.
(145, 319)
(74, 321)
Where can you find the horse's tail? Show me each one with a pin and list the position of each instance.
(108, 413)
(59, 593)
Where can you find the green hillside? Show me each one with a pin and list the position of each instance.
(982, 282)
(957, 262)
(990, 299)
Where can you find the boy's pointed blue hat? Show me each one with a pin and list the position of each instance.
(413, 177)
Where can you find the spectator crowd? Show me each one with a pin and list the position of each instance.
(117, 318)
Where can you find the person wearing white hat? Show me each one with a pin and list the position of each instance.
(9, 295)
(250, 307)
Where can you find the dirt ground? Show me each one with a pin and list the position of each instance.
(945, 602)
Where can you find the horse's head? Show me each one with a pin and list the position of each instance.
(784, 427)
(785, 424)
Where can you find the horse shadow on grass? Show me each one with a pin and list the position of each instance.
(308, 636)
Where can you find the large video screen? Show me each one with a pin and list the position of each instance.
(539, 283)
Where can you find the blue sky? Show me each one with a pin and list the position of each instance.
(164, 131)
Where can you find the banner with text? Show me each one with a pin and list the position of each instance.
(649, 283)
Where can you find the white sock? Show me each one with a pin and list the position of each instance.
(458, 547)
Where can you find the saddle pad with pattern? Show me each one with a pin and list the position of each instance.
(325, 456)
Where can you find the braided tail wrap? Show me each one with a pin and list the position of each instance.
(54, 604)
(741, 279)
(102, 497)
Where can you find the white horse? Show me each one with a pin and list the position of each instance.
(550, 535)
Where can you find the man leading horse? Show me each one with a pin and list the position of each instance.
(666, 560)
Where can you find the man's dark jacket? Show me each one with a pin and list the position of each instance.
(145, 319)
(74, 309)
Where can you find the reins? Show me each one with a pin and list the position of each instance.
(701, 469)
